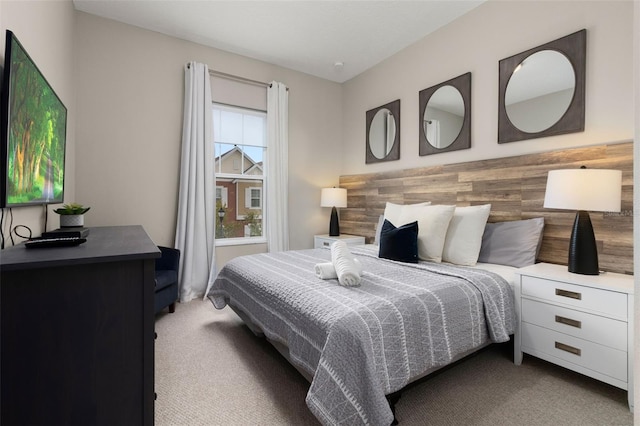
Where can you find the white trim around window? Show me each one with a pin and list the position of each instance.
(249, 197)
(222, 242)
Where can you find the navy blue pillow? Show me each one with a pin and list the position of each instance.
(399, 244)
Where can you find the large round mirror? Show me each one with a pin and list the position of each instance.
(443, 117)
(382, 133)
(539, 91)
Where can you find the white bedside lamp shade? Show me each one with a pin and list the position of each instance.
(584, 190)
(333, 197)
(594, 190)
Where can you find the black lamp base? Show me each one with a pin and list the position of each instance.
(334, 225)
(583, 253)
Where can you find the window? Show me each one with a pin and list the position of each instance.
(240, 144)
(253, 197)
(222, 196)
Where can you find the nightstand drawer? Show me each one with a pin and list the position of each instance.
(604, 360)
(320, 241)
(323, 242)
(593, 299)
(594, 328)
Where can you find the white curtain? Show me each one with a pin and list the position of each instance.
(195, 228)
(277, 179)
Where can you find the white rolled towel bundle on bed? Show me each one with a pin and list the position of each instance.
(326, 271)
(346, 268)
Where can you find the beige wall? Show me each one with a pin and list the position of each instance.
(130, 93)
(475, 43)
(45, 29)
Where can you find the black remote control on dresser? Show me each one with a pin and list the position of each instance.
(54, 242)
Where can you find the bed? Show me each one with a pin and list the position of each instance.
(348, 377)
(359, 345)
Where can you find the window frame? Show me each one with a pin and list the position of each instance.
(232, 241)
(249, 197)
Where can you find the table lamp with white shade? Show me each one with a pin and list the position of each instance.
(584, 190)
(334, 198)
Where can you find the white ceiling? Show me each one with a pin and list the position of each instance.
(306, 36)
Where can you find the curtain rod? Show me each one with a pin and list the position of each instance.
(238, 78)
(235, 77)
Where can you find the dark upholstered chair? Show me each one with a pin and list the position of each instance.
(167, 279)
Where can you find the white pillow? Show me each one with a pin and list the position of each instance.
(393, 211)
(464, 236)
(433, 222)
(378, 230)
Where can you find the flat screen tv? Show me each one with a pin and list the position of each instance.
(33, 131)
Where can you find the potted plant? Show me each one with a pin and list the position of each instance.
(71, 215)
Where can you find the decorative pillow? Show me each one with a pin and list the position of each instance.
(400, 243)
(433, 222)
(514, 243)
(379, 229)
(464, 236)
(393, 211)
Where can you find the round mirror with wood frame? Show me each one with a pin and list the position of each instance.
(445, 116)
(383, 133)
(542, 90)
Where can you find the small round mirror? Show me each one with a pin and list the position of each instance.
(443, 117)
(382, 133)
(540, 91)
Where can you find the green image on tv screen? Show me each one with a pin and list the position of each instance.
(36, 135)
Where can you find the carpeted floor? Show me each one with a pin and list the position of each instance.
(211, 370)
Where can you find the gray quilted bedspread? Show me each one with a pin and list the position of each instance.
(362, 343)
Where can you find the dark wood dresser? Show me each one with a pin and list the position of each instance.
(77, 331)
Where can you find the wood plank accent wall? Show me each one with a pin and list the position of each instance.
(515, 188)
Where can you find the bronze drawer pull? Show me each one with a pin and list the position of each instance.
(569, 321)
(568, 348)
(567, 293)
(326, 243)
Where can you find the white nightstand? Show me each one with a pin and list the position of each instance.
(580, 322)
(325, 240)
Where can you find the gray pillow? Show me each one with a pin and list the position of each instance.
(514, 243)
